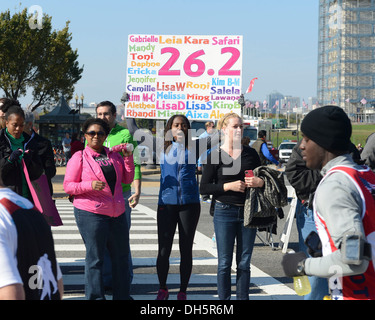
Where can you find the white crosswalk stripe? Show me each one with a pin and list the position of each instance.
(70, 252)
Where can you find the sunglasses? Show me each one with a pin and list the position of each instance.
(94, 133)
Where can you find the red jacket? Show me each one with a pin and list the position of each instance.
(75, 146)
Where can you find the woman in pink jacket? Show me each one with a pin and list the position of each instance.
(94, 177)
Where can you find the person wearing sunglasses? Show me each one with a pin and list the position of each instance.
(94, 177)
(118, 134)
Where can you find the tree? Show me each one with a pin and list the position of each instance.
(37, 59)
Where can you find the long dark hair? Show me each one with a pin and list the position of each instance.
(168, 134)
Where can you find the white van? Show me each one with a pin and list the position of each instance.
(285, 150)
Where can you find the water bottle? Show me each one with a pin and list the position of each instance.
(301, 284)
(123, 146)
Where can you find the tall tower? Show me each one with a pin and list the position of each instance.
(346, 58)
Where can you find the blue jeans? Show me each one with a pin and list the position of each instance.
(98, 232)
(228, 222)
(107, 265)
(305, 225)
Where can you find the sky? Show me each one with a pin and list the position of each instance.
(280, 38)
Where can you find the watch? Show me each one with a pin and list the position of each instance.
(301, 267)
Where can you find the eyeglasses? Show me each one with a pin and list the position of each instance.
(92, 134)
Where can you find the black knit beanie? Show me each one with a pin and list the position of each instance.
(329, 127)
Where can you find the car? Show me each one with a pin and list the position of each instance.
(285, 150)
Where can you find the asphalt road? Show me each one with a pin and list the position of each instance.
(264, 257)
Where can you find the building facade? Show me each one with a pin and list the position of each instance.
(271, 99)
(346, 57)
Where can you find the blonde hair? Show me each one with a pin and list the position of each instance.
(223, 122)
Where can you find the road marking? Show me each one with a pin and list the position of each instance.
(144, 228)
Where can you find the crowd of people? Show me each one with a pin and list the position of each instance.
(334, 190)
(29, 269)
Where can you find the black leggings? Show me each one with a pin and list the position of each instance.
(186, 217)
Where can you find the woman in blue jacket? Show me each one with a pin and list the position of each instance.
(179, 202)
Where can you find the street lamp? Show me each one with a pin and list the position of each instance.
(79, 105)
(74, 112)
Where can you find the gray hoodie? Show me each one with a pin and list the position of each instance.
(339, 203)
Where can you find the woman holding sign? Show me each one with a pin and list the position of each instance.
(179, 202)
(226, 175)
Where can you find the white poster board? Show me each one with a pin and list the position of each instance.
(197, 76)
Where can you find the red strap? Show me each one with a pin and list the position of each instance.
(9, 205)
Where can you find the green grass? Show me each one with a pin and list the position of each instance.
(277, 138)
(359, 134)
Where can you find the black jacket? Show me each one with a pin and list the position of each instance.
(261, 203)
(11, 173)
(46, 155)
(303, 180)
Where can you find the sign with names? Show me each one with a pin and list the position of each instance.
(196, 76)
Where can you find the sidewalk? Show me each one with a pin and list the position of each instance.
(57, 181)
